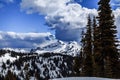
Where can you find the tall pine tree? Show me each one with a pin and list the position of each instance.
(95, 44)
(79, 58)
(97, 50)
(87, 51)
(109, 51)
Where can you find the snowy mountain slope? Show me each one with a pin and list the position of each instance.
(69, 48)
(84, 78)
(31, 66)
(5, 58)
(44, 66)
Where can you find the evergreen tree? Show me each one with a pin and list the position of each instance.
(94, 44)
(10, 76)
(109, 52)
(97, 56)
(79, 58)
(3, 65)
(77, 66)
(95, 34)
(82, 57)
(82, 44)
(87, 51)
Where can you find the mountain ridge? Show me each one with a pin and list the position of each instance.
(68, 48)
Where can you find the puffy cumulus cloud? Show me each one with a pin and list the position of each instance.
(23, 40)
(72, 16)
(68, 22)
(43, 6)
(64, 16)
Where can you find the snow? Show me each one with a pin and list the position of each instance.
(32, 78)
(42, 63)
(54, 46)
(69, 48)
(83, 78)
(6, 57)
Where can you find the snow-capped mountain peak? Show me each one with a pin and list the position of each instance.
(69, 48)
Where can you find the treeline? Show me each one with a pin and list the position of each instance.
(99, 54)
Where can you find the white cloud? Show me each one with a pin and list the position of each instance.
(72, 16)
(43, 6)
(61, 15)
(23, 40)
(64, 17)
(68, 21)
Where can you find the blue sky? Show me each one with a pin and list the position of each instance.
(60, 18)
(13, 19)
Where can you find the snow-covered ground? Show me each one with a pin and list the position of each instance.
(84, 78)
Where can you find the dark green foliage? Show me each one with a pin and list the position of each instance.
(10, 76)
(97, 56)
(77, 66)
(78, 60)
(109, 51)
(8, 62)
(18, 64)
(87, 50)
(1, 77)
(3, 65)
(100, 56)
